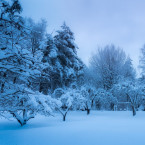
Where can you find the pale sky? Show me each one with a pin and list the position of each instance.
(95, 22)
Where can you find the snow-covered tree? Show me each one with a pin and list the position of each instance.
(65, 99)
(110, 64)
(133, 92)
(128, 71)
(64, 67)
(88, 93)
(142, 62)
(10, 24)
(36, 35)
(17, 67)
(69, 99)
(24, 104)
(16, 57)
(10, 34)
(90, 78)
(33, 48)
(54, 68)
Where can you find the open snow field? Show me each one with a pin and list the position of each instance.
(99, 128)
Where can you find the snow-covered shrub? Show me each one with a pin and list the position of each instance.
(104, 100)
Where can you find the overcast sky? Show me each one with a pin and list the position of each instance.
(95, 22)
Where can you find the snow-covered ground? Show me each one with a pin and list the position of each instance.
(99, 128)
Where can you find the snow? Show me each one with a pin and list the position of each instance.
(99, 128)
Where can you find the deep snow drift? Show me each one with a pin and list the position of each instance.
(99, 128)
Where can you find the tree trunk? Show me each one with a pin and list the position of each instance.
(88, 111)
(24, 116)
(112, 107)
(133, 110)
(22, 120)
(64, 116)
(19, 119)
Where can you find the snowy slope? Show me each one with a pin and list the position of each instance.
(100, 128)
